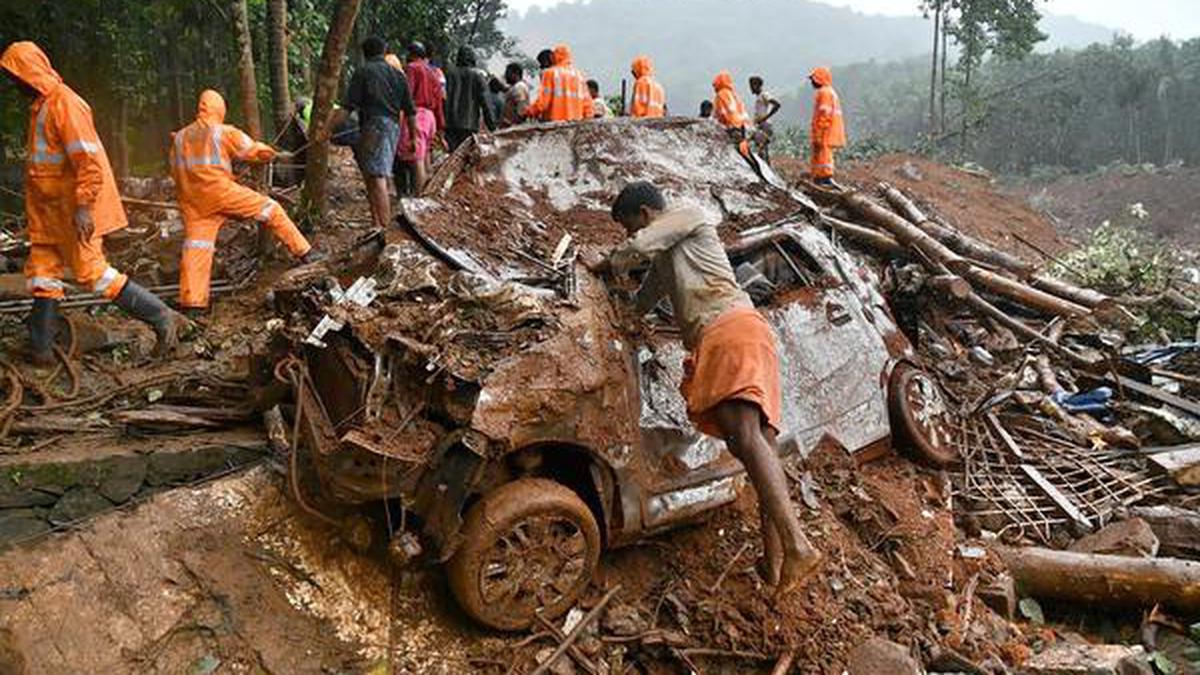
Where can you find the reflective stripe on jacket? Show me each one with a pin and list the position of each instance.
(828, 126)
(67, 166)
(649, 97)
(564, 95)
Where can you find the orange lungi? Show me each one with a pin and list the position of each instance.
(736, 359)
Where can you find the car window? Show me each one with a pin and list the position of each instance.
(776, 267)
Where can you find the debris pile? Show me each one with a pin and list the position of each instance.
(420, 355)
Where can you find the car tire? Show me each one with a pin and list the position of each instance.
(530, 546)
(921, 420)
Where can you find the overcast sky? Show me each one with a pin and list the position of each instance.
(1145, 19)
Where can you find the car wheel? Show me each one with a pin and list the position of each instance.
(530, 546)
(920, 416)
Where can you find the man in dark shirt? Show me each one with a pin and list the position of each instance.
(379, 93)
(466, 99)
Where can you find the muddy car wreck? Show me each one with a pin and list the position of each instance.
(507, 403)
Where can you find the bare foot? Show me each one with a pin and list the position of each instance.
(797, 568)
(773, 555)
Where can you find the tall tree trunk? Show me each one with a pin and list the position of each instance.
(933, 119)
(328, 79)
(247, 81)
(121, 139)
(942, 89)
(281, 97)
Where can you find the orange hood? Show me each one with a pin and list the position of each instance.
(562, 55)
(821, 76)
(723, 80)
(642, 66)
(211, 108)
(29, 63)
(393, 61)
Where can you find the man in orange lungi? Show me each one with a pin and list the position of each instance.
(202, 155)
(71, 202)
(731, 382)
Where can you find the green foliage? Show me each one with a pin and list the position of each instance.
(1120, 258)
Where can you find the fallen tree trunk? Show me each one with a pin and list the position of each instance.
(941, 258)
(976, 250)
(1104, 579)
(873, 239)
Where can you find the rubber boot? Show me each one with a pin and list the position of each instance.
(43, 329)
(146, 306)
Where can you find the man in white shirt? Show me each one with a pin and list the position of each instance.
(600, 109)
(765, 107)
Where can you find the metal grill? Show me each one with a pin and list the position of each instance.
(1016, 470)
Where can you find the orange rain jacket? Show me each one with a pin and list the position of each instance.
(67, 166)
(728, 108)
(202, 155)
(649, 97)
(564, 95)
(828, 128)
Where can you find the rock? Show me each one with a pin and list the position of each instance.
(1081, 659)
(179, 467)
(1134, 665)
(624, 620)
(1000, 595)
(11, 658)
(878, 655)
(16, 524)
(13, 496)
(1131, 537)
(563, 665)
(910, 171)
(123, 477)
(78, 503)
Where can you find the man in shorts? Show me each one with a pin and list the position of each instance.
(380, 94)
(731, 381)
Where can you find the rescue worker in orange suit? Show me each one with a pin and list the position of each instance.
(730, 111)
(649, 97)
(564, 95)
(202, 155)
(828, 129)
(71, 203)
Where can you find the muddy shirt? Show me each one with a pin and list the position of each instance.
(688, 264)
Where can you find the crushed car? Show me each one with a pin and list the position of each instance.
(471, 373)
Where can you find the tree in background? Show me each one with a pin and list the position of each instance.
(337, 40)
(277, 48)
(247, 80)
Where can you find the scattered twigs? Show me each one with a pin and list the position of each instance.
(573, 651)
(593, 614)
(784, 664)
(725, 572)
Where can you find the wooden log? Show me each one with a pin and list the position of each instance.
(942, 258)
(1182, 465)
(950, 286)
(974, 249)
(1104, 580)
(148, 204)
(873, 239)
(952, 237)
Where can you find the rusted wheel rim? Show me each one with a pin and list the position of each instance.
(927, 412)
(537, 563)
